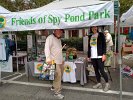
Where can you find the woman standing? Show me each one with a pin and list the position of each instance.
(97, 52)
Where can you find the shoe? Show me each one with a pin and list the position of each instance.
(52, 88)
(107, 87)
(98, 85)
(59, 96)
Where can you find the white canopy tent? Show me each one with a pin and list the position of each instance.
(127, 18)
(81, 13)
(62, 14)
(3, 10)
(67, 4)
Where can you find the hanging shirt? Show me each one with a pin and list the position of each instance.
(69, 72)
(2, 49)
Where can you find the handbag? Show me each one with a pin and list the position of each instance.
(47, 71)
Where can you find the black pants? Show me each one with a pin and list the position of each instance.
(99, 69)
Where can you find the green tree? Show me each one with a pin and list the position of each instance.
(39, 3)
(7, 4)
(20, 5)
(125, 5)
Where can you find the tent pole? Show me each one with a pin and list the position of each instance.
(0, 76)
(16, 54)
(115, 46)
(119, 49)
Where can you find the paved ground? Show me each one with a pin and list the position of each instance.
(26, 92)
(20, 89)
(37, 89)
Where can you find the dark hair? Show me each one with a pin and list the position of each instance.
(62, 30)
(91, 29)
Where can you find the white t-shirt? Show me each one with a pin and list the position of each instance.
(93, 44)
(2, 49)
(69, 72)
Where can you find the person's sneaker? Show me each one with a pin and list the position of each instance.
(52, 88)
(98, 85)
(59, 96)
(107, 87)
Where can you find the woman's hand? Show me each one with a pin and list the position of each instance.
(103, 58)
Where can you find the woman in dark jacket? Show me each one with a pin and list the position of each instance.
(96, 52)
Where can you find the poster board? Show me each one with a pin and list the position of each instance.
(37, 67)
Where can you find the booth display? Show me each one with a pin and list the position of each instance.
(31, 47)
(127, 21)
(45, 71)
(80, 69)
(6, 55)
(128, 65)
(63, 14)
(71, 53)
(36, 45)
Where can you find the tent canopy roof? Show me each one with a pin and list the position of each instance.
(65, 4)
(3, 10)
(127, 18)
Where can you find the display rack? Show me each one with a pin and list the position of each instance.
(35, 45)
(1, 64)
(2, 61)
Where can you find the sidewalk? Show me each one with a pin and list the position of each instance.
(26, 92)
(22, 88)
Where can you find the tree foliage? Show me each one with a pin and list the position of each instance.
(7, 4)
(125, 5)
(39, 3)
(20, 5)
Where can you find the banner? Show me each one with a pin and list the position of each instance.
(93, 15)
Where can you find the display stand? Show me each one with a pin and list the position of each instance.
(1, 78)
(17, 56)
(1, 68)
